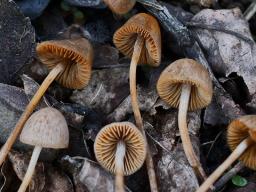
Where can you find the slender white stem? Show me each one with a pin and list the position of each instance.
(232, 157)
(31, 168)
(182, 122)
(119, 163)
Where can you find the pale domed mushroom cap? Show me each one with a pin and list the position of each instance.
(106, 143)
(238, 130)
(185, 71)
(46, 128)
(146, 26)
(75, 54)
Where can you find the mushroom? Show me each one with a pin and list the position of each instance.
(120, 7)
(121, 149)
(140, 39)
(70, 62)
(46, 128)
(241, 136)
(185, 84)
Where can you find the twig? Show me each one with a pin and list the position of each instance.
(250, 11)
(191, 49)
(225, 178)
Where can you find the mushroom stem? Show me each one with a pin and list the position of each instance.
(119, 163)
(29, 109)
(232, 157)
(136, 110)
(186, 142)
(31, 168)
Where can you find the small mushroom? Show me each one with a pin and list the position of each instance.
(140, 39)
(185, 84)
(46, 128)
(121, 149)
(70, 62)
(120, 7)
(241, 136)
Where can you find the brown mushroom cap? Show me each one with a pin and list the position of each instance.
(238, 130)
(46, 128)
(146, 26)
(190, 72)
(120, 6)
(75, 54)
(106, 143)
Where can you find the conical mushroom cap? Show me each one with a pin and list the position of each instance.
(75, 54)
(46, 128)
(146, 26)
(190, 72)
(120, 6)
(238, 130)
(106, 143)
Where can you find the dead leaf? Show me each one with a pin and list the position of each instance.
(147, 97)
(18, 38)
(13, 101)
(45, 178)
(104, 93)
(57, 181)
(20, 165)
(170, 161)
(30, 88)
(204, 3)
(9, 180)
(231, 51)
(88, 176)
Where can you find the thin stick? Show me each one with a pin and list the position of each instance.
(232, 157)
(119, 163)
(186, 142)
(31, 169)
(135, 107)
(29, 109)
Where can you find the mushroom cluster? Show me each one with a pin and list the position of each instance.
(122, 147)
